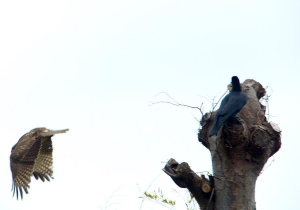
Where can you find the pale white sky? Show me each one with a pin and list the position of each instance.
(95, 66)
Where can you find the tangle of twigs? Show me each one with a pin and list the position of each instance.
(175, 103)
(215, 104)
(266, 99)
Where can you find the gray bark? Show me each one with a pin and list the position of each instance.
(239, 152)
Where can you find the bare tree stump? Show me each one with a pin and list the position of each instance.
(239, 152)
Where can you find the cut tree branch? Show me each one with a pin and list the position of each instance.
(239, 152)
(185, 177)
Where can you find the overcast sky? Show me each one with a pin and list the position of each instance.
(95, 67)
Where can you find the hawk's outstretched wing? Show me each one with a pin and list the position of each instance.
(32, 155)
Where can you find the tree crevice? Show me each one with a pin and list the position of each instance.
(239, 151)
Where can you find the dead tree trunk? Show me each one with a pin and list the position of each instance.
(239, 152)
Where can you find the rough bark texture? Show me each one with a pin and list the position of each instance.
(239, 152)
(185, 177)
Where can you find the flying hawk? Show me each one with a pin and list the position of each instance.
(32, 155)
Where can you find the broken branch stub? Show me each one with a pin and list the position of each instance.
(185, 177)
(239, 151)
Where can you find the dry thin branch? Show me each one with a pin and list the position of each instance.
(108, 202)
(201, 172)
(266, 99)
(215, 104)
(208, 99)
(188, 200)
(148, 188)
(175, 103)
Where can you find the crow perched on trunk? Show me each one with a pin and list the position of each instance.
(230, 105)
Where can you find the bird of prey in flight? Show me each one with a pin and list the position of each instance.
(32, 155)
(230, 105)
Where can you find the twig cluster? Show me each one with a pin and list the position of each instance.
(175, 103)
(266, 99)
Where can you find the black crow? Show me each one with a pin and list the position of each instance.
(230, 105)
